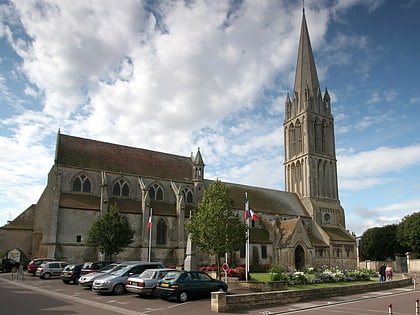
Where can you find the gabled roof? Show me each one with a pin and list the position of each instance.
(92, 154)
(338, 234)
(266, 200)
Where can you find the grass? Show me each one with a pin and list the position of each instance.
(265, 277)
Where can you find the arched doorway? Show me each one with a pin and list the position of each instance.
(299, 258)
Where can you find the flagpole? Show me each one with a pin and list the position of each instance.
(149, 226)
(247, 237)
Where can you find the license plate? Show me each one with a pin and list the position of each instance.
(165, 285)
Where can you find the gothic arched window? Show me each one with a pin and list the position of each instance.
(156, 192)
(188, 196)
(121, 189)
(82, 184)
(161, 232)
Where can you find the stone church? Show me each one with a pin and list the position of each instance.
(301, 227)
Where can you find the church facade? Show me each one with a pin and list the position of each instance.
(299, 228)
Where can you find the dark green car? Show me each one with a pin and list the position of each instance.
(182, 285)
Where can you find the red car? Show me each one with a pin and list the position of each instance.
(35, 263)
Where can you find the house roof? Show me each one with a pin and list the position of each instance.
(92, 154)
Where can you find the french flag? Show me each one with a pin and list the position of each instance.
(249, 214)
(149, 224)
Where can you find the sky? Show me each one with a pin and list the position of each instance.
(174, 76)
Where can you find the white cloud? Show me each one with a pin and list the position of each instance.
(380, 161)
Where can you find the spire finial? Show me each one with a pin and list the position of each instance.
(303, 6)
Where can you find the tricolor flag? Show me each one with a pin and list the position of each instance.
(249, 214)
(149, 224)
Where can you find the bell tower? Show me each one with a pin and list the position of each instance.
(310, 160)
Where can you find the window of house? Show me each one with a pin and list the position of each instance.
(82, 184)
(161, 232)
(121, 189)
(156, 192)
(263, 251)
(78, 238)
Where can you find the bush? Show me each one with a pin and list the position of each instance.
(277, 273)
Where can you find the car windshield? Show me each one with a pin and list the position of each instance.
(119, 270)
(87, 265)
(148, 273)
(171, 275)
(108, 268)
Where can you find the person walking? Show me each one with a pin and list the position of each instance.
(382, 269)
(388, 272)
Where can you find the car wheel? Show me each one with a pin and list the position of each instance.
(66, 281)
(46, 275)
(118, 289)
(76, 280)
(183, 297)
(222, 288)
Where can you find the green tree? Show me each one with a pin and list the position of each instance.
(111, 232)
(216, 228)
(408, 233)
(380, 243)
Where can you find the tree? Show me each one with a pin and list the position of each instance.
(216, 228)
(408, 233)
(380, 243)
(111, 233)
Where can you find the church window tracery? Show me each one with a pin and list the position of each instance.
(161, 232)
(188, 196)
(156, 192)
(82, 184)
(121, 189)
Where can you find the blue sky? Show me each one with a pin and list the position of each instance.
(172, 76)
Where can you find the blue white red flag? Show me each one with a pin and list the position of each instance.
(149, 224)
(249, 214)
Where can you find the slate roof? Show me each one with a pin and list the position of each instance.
(338, 234)
(266, 200)
(92, 154)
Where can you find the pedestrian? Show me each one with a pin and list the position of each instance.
(382, 269)
(388, 272)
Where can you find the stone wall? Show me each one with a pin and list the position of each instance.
(222, 302)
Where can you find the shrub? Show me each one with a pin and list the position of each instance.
(277, 273)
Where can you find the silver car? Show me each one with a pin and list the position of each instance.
(114, 281)
(86, 280)
(50, 269)
(145, 283)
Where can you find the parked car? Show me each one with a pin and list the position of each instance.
(145, 283)
(7, 264)
(51, 269)
(86, 280)
(182, 285)
(114, 281)
(71, 273)
(35, 263)
(89, 266)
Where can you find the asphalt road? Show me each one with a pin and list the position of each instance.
(53, 297)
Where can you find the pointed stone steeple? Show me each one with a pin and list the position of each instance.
(306, 78)
(198, 167)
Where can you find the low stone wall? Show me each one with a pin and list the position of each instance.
(222, 302)
(264, 286)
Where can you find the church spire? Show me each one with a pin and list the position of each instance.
(306, 78)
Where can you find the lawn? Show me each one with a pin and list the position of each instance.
(265, 277)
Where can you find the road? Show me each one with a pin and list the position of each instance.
(53, 297)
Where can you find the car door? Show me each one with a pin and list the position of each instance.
(207, 284)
